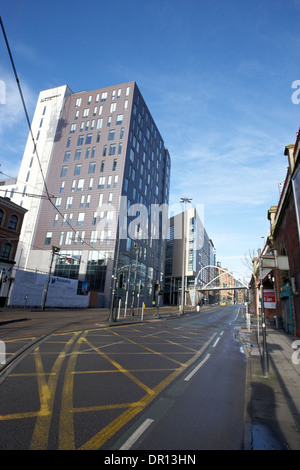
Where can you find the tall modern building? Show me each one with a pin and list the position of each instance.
(92, 170)
(197, 252)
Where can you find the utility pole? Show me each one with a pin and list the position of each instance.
(185, 200)
(55, 250)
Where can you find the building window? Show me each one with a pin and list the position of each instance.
(113, 107)
(98, 137)
(12, 222)
(110, 217)
(112, 149)
(78, 102)
(77, 154)
(80, 185)
(114, 165)
(48, 238)
(68, 238)
(61, 237)
(80, 140)
(80, 219)
(94, 220)
(77, 169)
(126, 184)
(104, 96)
(69, 202)
(111, 134)
(119, 119)
(92, 167)
(88, 138)
(94, 236)
(99, 123)
(101, 182)
(72, 128)
(116, 181)
(58, 202)
(5, 251)
(85, 112)
(55, 220)
(67, 156)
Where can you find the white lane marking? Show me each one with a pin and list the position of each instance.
(134, 437)
(197, 368)
(216, 342)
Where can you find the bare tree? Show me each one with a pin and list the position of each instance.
(248, 260)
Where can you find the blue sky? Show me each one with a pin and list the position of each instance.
(216, 75)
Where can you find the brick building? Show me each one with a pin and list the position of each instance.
(284, 238)
(11, 220)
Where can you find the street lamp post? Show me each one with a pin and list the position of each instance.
(263, 321)
(136, 249)
(112, 317)
(185, 200)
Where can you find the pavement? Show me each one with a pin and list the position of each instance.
(272, 398)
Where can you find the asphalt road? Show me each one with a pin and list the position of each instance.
(173, 384)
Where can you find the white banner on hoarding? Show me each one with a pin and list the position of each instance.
(28, 288)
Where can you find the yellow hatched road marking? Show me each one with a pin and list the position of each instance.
(47, 390)
(97, 441)
(149, 349)
(120, 368)
(66, 425)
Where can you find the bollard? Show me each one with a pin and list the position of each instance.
(119, 308)
(142, 315)
(248, 321)
(2, 353)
